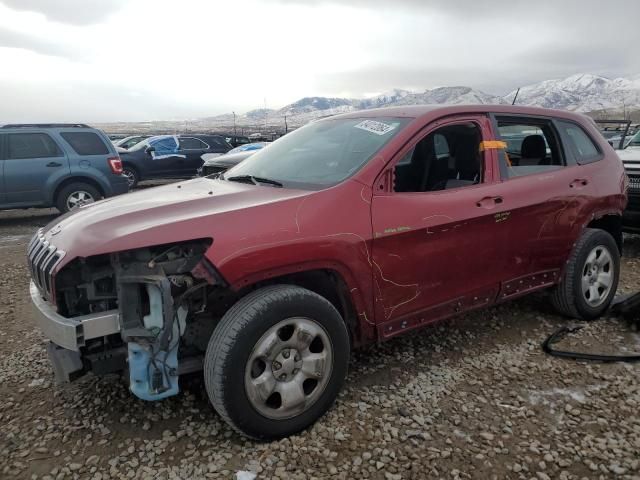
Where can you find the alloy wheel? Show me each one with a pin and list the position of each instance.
(289, 368)
(79, 198)
(597, 276)
(131, 177)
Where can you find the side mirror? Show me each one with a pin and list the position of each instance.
(148, 150)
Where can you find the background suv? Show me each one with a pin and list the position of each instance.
(170, 156)
(59, 165)
(630, 157)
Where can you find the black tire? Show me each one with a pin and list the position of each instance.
(567, 297)
(63, 198)
(233, 341)
(132, 175)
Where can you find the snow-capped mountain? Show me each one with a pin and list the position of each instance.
(449, 95)
(582, 93)
(309, 108)
(393, 97)
(314, 107)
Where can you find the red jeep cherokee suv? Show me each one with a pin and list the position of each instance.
(350, 230)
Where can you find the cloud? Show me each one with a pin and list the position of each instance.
(74, 12)
(565, 10)
(12, 39)
(79, 101)
(494, 46)
(317, 47)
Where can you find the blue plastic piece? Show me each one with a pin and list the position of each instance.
(142, 371)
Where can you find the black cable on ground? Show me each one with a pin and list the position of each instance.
(625, 306)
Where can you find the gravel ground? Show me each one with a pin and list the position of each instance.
(474, 397)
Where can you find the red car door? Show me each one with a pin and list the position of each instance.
(543, 191)
(439, 242)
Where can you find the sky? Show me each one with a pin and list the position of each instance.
(133, 60)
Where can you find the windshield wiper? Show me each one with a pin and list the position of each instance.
(254, 180)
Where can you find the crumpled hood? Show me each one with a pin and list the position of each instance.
(171, 213)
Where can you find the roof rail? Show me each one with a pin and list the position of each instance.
(45, 125)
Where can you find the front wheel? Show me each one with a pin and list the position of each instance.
(276, 361)
(591, 277)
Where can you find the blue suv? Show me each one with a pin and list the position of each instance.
(57, 165)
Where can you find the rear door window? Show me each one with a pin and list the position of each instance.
(531, 147)
(31, 145)
(189, 143)
(85, 143)
(579, 143)
(219, 142)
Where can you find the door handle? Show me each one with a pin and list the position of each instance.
(489, 202)
(579, 183)
(54, 164)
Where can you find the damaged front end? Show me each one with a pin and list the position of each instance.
(161, 295)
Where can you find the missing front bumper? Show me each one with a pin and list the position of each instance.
(71, 333)
(67, 364)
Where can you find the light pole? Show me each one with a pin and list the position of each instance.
(234, 123)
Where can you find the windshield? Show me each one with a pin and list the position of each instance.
(321, 154)
(635, 140)
(141, 145)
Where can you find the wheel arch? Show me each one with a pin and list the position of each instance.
(332, 285)
(610, 223)
(75, 179)
(132, 166)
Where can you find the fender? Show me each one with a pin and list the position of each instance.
(358, 290)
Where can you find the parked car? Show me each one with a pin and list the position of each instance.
(236, 140)
(57, 165)
(633, 141)
(169, 156)
(630, 157)
(116, 136)
(348, 231)
(128, 142)
(222, 163)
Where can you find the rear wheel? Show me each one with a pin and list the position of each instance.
(75, 195)
(591, 277)
(133, 177)
(276, 361)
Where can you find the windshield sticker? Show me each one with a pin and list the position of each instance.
(373, 126)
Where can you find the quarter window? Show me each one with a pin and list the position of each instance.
(447, 158)
(85, 143)
(32, 145)
(531, 148)
(583, 148)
